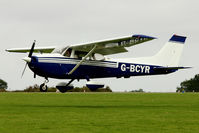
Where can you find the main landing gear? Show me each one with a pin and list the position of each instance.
(44, 87)
(63, 87)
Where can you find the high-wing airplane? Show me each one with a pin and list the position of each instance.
(89, 61)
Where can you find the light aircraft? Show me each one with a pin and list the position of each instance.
(88, 60)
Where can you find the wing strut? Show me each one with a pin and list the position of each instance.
(83, 59)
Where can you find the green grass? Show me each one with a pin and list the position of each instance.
(99, 112)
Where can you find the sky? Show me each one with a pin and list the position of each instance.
(65, 22)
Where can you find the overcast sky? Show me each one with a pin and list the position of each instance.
(65, 22)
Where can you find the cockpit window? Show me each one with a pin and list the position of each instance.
(60, 50)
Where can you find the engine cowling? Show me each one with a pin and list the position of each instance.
(92, 85)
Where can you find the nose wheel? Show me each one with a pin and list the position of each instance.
(44, 87)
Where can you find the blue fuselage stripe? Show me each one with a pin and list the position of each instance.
(56, 67)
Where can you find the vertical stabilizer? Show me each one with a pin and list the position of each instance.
(170, 54)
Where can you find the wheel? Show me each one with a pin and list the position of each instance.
(43, 88)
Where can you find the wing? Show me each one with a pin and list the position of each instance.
(104, 47)
(112, 46)
(36, 50)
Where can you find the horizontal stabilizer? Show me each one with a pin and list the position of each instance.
(169, 68)
(166, 70)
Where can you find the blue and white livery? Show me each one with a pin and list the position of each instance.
(89, 61)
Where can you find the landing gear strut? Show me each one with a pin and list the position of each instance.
(44, 87)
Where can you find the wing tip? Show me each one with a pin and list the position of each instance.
(143, 36)
(7, 50)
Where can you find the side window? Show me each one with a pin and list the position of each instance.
(68, 52)
(80, 54)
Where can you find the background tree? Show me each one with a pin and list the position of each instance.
(139, 90)
(3, 85)
(190, 85)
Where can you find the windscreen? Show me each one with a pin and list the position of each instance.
(60, 50)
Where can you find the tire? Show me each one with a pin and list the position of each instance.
(43, 88)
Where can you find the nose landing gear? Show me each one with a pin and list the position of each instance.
(44, 87)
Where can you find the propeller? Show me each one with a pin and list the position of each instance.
(28, 59)
(32, 49)
(24, 70)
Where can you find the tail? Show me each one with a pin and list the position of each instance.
(170, 54)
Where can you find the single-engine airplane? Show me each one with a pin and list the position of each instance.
(89, 61)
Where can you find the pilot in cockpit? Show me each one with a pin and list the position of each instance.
(68, 52)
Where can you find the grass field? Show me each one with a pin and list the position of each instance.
(99, 112)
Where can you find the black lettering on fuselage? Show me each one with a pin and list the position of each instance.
(135, 68)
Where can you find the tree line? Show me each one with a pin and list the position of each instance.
(36, 88)
(191, 85)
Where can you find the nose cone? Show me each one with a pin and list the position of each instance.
(27, 59)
